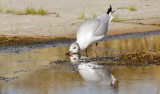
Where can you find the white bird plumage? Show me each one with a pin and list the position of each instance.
(91, 31)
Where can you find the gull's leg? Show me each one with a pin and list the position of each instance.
(114, 82)
(96, 45)
(96, 50)
(86, 52)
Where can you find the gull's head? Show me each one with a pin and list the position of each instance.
(74, 49)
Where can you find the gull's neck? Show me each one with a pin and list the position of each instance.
(81, 46)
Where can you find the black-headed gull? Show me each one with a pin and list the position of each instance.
(91, 31)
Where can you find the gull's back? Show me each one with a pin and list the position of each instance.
(97, 26)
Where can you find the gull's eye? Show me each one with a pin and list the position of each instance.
(74, 48)
(74, 58)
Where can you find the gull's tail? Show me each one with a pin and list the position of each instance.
(109, 10)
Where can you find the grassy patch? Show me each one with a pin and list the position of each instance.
(94, 15)
(116, 18)
(41, 11)
(1, 10)
(28, 10)
(132, 8)
(82, 16)
(19, 12)
(13, 11)
(10, 11)
(33, 11)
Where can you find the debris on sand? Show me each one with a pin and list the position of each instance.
(139, 58)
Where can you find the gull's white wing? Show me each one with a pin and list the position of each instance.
(97, 27)
(89, 27)
(103, 27)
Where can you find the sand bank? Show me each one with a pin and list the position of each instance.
(63, 20)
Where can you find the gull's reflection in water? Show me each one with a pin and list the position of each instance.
(91, 71)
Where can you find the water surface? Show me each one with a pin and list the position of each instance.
(34, 71)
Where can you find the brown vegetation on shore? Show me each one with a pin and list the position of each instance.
(140, 58)
(21, 40)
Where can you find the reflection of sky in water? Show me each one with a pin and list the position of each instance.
(139, 83)
(37, 76)
(15, 90)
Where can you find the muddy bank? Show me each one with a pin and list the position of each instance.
(19, 40)
(139, 58)
(136, 58)
(26, 40)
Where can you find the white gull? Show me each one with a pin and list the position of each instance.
(91, 31)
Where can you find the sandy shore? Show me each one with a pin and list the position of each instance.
(64, 18)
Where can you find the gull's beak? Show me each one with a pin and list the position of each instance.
(69, 53)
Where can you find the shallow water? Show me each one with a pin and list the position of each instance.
(48, 71)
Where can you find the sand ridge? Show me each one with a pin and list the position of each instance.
(62, 20)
